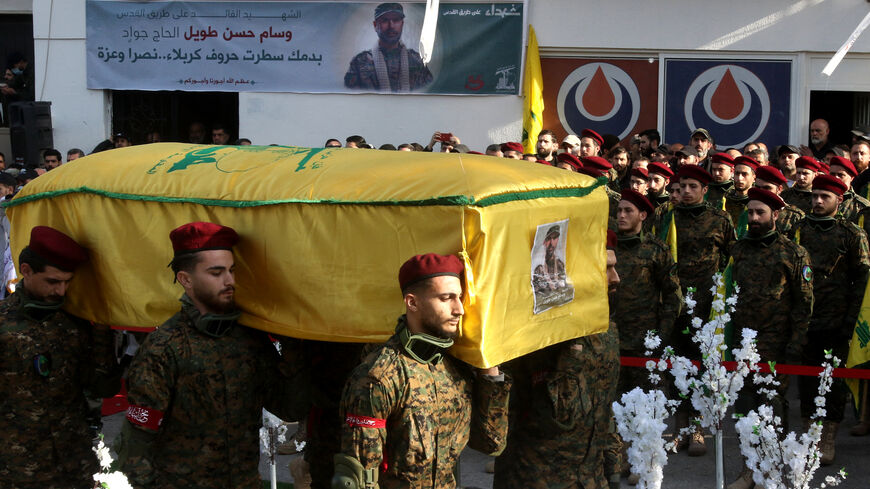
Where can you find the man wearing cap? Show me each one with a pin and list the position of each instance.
(198, 384)
(590, 143)
(722, 171)
(702, 142)
(571, 144)
(704, 236)
(512, 150)
(660, 176)
(48, 360)
(649, 295)
(686, 156)
(776, 299)
(568, 161)
(410, 408)
(853, 203)
(786, 160)
(639, 181)
(800, 194)
(597, 166)
(736, 198)
(840, 264)
(772, 180)
(560, 410)
(389, 66)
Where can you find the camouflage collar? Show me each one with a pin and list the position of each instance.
(766, 240)
(694, 209)
(34, 309)
(424, 348)
(629, 239)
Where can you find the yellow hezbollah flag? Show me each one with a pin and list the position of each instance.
(859, 348)
(533, 89)
(323, 234)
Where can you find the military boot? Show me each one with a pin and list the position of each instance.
(863, 426)
(697, 446)
(827, 445)
(299, 471)
(744, 480)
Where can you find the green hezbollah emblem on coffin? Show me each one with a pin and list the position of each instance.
(323, 233)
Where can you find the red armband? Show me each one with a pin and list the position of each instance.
(357, 421)
(143, 416)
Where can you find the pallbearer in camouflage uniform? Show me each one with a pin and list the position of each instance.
(409, 409)
(838, 250)
(775, 299)
(48, 360)
(649, 295)
(560, 411)
(704, 239)
(736, 198)
(800, 194)
(772, 180)
(853, 203)
(198, 384)
(722, 173)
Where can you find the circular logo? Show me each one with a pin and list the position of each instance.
(599, 96)
(730, 102)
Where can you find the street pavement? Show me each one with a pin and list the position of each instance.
(681, 472)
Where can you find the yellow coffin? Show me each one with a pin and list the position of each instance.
(324, 232)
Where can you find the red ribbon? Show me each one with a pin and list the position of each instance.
(845, 373)
(357, 421)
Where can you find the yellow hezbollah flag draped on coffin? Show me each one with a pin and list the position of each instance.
(324, 232)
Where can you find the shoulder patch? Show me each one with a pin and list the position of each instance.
(807, 273)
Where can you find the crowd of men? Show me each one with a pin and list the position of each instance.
(792, 230)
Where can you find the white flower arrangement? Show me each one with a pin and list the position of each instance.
(106, 479)
(789, 461)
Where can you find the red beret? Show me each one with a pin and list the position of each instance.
(589, 133)
(475, 153)
(596, 163)
(570, 159)
(829, 183)
(640, 173)
(660, 168)
(845, 163)
(766, 197)
(611, 239)
(199, 236)
(421, 267)
(824, 167)
(770, 174)
(592, 172)
(543, 162)
(807, 163)
(746, 161)
(723, 158)
(639, 201)
(512, 147)
(695, 172)
(56, 248)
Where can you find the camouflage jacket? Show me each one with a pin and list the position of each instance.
(802, 199)
(362, 75)
(735, 206)
(716, 192)
(411, 420)
(559, 414)
(47, 366)
(840, 262)
(658, 200)
(776, 293)
(852, 206)
(614, 198)
(648, 296)
(704, 239)
(195, 405)
(789, 216)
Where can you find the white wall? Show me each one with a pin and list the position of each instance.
(812, 29)
(79, 116)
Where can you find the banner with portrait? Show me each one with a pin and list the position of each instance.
(311, 47)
